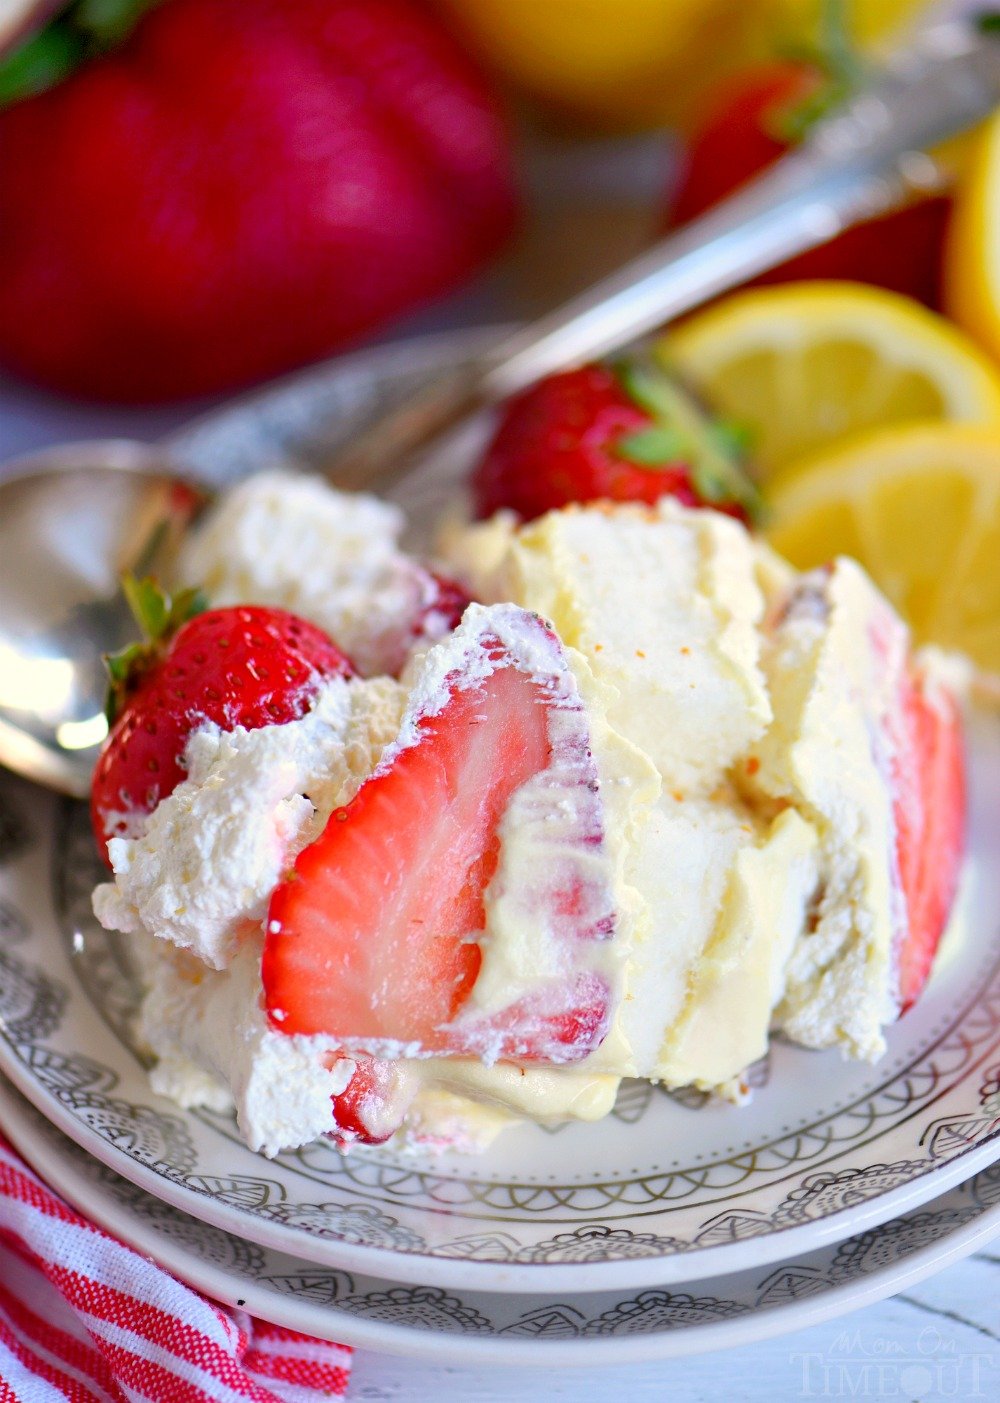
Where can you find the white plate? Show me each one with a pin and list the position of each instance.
(671, 1188)
(481, 1327)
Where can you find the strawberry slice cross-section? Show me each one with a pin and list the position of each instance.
(919, 746)
(473, 859)
(929, 802)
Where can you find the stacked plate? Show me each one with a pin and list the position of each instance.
(677, 1225)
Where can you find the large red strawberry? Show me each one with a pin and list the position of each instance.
(242, 666)
(236, 188)
(373, 940)
(625, 433)
(928, 769)
(757, 118)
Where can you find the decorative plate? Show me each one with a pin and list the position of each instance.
(481, 1326)
(670, 1188)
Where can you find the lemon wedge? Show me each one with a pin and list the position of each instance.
(972, 252)
(919, 506)
(802, 365)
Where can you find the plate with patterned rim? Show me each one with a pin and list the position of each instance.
(669, 1188)
(468, 1326)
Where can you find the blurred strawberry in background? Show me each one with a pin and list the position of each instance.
(763, 113)
(233, 187)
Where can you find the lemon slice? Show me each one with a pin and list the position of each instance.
(972, 253)
(807, 363)
(920, 508)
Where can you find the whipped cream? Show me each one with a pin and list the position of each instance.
(333, 557)
(203, 865)
(215, 1048)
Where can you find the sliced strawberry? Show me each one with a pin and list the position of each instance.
(433, 610)
(442, 609)
(371, 1107)
(373, 938)
(929, 809)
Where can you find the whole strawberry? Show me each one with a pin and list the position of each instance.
(766, 110)
(237, 187)
(625, 433)
(241, 666)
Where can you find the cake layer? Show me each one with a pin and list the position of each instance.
(664, 604)
(834, 659)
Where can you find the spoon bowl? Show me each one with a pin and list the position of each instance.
(72, 520)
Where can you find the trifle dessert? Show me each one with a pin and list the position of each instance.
(606, 790)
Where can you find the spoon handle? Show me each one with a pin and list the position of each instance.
(863, 160)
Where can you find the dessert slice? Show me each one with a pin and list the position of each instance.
(722, 796)
(332, 557)
(461, 904)
(866, 745)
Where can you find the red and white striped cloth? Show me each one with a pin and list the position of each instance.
(84, 1319)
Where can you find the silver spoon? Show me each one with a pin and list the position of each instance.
(72, 518)
(71, 522)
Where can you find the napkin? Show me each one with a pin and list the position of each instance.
(84, 1318)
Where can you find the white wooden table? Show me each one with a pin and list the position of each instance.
(940, 1341)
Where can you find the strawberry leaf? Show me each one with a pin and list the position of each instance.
(732, 439)
(719, 481)
(80, 32)
(651, 448)
(839, 68)
(159, 616)
(119, 664)
(184, 606)
(38, 64)
(108, 22)
(123, 667)
(150, 605)
(684, 432)
(647, 389)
